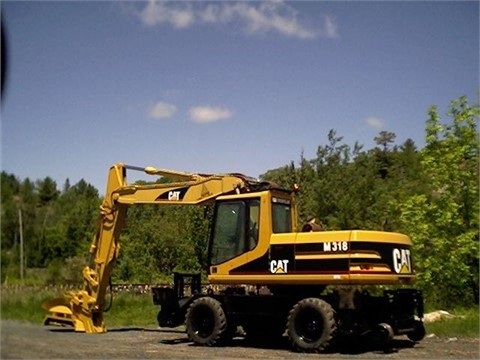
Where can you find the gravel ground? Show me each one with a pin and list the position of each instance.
(30, 341)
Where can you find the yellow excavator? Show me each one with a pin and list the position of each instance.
(264, 275)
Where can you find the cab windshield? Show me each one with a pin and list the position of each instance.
(235, 229)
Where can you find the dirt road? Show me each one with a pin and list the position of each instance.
(31, 341)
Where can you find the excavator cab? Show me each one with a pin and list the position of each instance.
(240, 224)
(242, 227)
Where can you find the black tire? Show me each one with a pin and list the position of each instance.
(206, 322)
(419, 331)
(381, 336)
(311, 325)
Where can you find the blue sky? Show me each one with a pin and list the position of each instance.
(222, 86)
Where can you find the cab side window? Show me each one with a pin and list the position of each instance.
(254, 219)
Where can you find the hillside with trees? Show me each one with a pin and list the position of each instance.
(431, 194)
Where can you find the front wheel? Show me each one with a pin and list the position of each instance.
(311, 325)
(206, 322)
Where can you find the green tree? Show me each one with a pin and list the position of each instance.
(47, 190)
(385, 138)
(444, 221)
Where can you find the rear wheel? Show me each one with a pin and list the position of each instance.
(418, 332)
(206, 322)
(311, 325)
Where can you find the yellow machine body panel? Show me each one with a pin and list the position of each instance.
(322, 258)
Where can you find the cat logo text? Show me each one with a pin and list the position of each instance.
(401, 261)
(278, 266)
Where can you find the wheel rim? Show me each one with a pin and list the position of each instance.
(309, 325)
(203, 321)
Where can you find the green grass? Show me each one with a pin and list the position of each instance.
(466, 324)
(25, 304)
(132, 310)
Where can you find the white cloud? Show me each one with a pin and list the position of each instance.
(268, 16)
(169, 12)
(375, 122)
(257, 17)
(331, 28)
(162, 110)
(207, 114)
